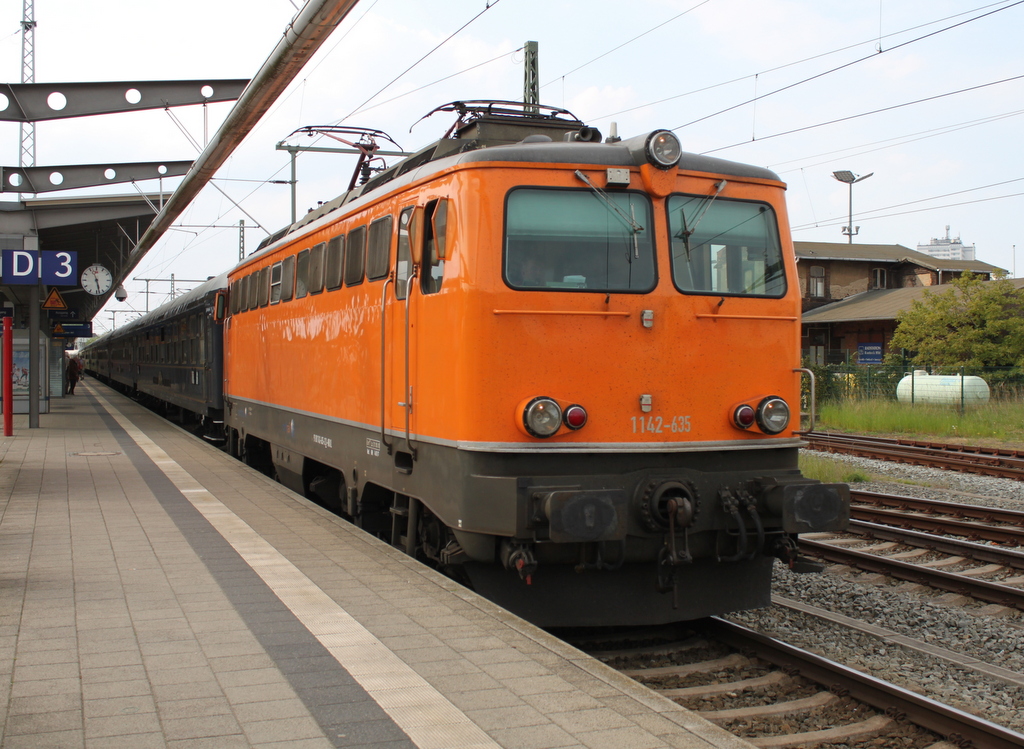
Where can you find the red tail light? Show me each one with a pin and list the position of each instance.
(575, 417)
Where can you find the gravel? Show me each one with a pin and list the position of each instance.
(923, 614)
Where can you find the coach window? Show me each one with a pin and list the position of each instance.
(579, 240)
(403, 265)
(275, 283)
(435, 246)
(315, 279)
(335, 262)
(354, 256)
(725, 247)
(378, 251)
(302, 274)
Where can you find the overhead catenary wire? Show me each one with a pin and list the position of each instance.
(867, 114)
(866, 214)
(794, 63)
(490, 4)
(836, 69)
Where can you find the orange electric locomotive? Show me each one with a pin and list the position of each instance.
(563, 370)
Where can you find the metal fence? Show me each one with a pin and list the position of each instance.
(955, 387)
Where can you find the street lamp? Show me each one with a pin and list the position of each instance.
(851, 179)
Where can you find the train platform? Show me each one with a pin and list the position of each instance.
(154, 592)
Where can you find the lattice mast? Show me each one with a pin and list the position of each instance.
(27, 153)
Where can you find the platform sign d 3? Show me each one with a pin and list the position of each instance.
(29, 267)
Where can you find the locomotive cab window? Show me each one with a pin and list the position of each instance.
(435, 245)
(727, 247)
(569, 240)
(403, 263)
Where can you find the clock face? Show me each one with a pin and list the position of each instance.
(97, 280)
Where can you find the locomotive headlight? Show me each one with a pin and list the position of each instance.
(663, 149)
(772, 415)
(542, 417)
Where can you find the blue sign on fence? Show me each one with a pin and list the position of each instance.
(869, 353)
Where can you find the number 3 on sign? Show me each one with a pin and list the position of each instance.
(658, 424)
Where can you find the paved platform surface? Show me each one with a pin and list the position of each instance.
(156, 593)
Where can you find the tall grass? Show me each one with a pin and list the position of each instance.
(996, 422)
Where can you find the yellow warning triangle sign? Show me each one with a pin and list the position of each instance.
(54, 301)
(58, 328)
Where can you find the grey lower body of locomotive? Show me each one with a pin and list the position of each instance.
(566, 539)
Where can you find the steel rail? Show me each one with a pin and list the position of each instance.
(955, 725)
(936, 455)
(1004, 534)
(983, 590)
(955, 509)
(955, 547)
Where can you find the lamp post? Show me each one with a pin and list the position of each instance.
(851, 179)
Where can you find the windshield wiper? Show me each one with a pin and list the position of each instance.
(629, 219)
(688, 231)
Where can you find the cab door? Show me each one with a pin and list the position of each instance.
(418, 274)
(398, 385)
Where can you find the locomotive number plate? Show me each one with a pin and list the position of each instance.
(373, 447)
(660, 425)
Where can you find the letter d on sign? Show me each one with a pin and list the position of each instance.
(20, 266)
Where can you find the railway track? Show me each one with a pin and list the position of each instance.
(775, 695)
(914, 544)
(1003, 463)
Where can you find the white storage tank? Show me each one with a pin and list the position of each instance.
(949, 390)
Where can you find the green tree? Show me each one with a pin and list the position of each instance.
(975, 323)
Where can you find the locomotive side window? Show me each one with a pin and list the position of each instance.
(315, 278)
(435, 245)
(403, 264)
(378, 250)
(335, 262)
(264, 286)
(302, 274)
(287, 278)
(275, 283)
(354, 256)
(728, 247)
(254, 289)
(579, 240)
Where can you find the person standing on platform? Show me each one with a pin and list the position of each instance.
(74, 370)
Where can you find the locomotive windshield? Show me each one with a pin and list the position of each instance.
(579, 240)
(727, 247)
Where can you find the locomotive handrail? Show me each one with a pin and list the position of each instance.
(609, 313)
(414, 272)
(383, 354)
(813, 399)
(705, 315)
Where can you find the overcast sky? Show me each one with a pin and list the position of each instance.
(803, 87)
